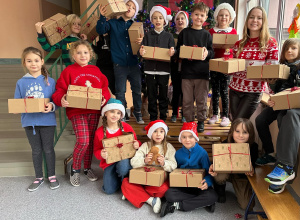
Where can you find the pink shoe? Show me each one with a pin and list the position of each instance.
(225, 122)
(213, 119)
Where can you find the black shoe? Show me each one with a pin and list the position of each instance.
(220, 190)
(210, 208)
(167, 207)
(126, 117)
(200, 126)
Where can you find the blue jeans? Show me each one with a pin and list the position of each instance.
(133, 74)
(114, 175)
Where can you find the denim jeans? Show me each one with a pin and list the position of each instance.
(133, 74)
(114, 175)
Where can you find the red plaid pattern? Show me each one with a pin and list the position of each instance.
(84, 126)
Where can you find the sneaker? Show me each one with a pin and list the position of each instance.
(267, 159)
(213, 119)
(225, 122)
(200, 126)
(35, 185)
(138, 117)
(173, 118)
(183, 120)
(123, 197)
(167, 207)
(54, 184)
(280, 175)
(156, 204)
(75, 179)
(210, 208)
(90, 175)
(276, 189)
(126, 118)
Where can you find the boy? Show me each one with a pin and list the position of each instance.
(191, 156)
(124, 62)
(195, 73)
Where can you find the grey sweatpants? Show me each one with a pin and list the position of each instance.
(41, 142)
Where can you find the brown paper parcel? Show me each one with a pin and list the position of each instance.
(84, 97)
(265, 98)
(231, 158)
(192, 53)
(135, 31)
(56, 28)
(224, 41)
(113, 7)
(27, 105)
(186, 177)
(148, 175)
(156, 53)
(277, 71)
(231, 65)
(286, 99)
(89, 29)
(119, 148)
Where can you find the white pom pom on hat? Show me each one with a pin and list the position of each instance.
(166, 13)
(225, 6)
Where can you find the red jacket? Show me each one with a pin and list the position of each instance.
(80, 76)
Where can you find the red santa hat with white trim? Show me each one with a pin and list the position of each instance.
(153, 125)
(189, 127)
(166, 13)
(186, 15)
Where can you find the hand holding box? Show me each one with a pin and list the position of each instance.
(186, 177)
(27, 105)
(148, 175)
(191, 53)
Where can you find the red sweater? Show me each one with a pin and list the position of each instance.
(99, 135)
(80, 76)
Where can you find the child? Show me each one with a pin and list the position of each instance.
(64, 44)
(139, 194)
(290, 56)
(84, 121)
(39, 127)
(241, 131)
(257, 47)
(224, 16)
(195, 73)
(191, 156)
(157, 72)
(112, 126)
(125, 63)
(181, 22)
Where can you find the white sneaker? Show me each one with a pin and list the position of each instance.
(156, 205)
(213, 119)
(225, 122)
(123, 197)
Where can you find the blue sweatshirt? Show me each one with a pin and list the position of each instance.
(194, 158)
(29, 86)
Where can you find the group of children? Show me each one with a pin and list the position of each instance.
(257, 47)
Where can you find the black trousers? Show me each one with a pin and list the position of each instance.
(177, 92)
(157, 89)
(109, 73)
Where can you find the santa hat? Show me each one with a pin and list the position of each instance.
(113, 104)
(186, 15)
(189, 127)
(166, 12)
(137, 7)
(225, 6)
(153, 125)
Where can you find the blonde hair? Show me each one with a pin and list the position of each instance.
(264, 35)
(71, 18)
(201, 6)
(288, 43)
(37, 52)
(164, 144)
(75, 44)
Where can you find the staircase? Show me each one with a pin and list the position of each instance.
(15, 151)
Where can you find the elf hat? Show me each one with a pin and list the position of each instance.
(186, 15)
(189, 127)
(153, 125)
(225, 6)
(113, 104)
(166, 13)
(137, 7)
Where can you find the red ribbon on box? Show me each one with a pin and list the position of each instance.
(193, 52)
(30, 97)
(295, 88)
(59, 29)
(148, 169)
(116, 2)
(87, 94)
(186, 175)
(262, 69)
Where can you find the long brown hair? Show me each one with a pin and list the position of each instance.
(104, 123)
(164, 144)
(287, 44)
(247, 125)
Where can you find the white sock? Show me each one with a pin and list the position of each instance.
(157, 205)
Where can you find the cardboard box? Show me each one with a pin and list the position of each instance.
(192, 53)
(227, 66)
(148, 175)
(224, 41)
(135, 31)
(27, 105)
(119, 148)
(265, 98)
(186, 177)
(156, 53)
(84, 97)
(56, 28)
(277, 71)
(231, 158)
(286, 99)
(113, 7)
(89, 28)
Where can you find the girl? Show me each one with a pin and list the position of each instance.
(241, 131)
(139, 194)
(181, 22)
(112, 126)
(64, 44)
(224, 15)
(39, 127)
(84, 121)
(257, 47)
(157, 72)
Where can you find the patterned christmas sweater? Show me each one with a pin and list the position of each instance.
(254, 57)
